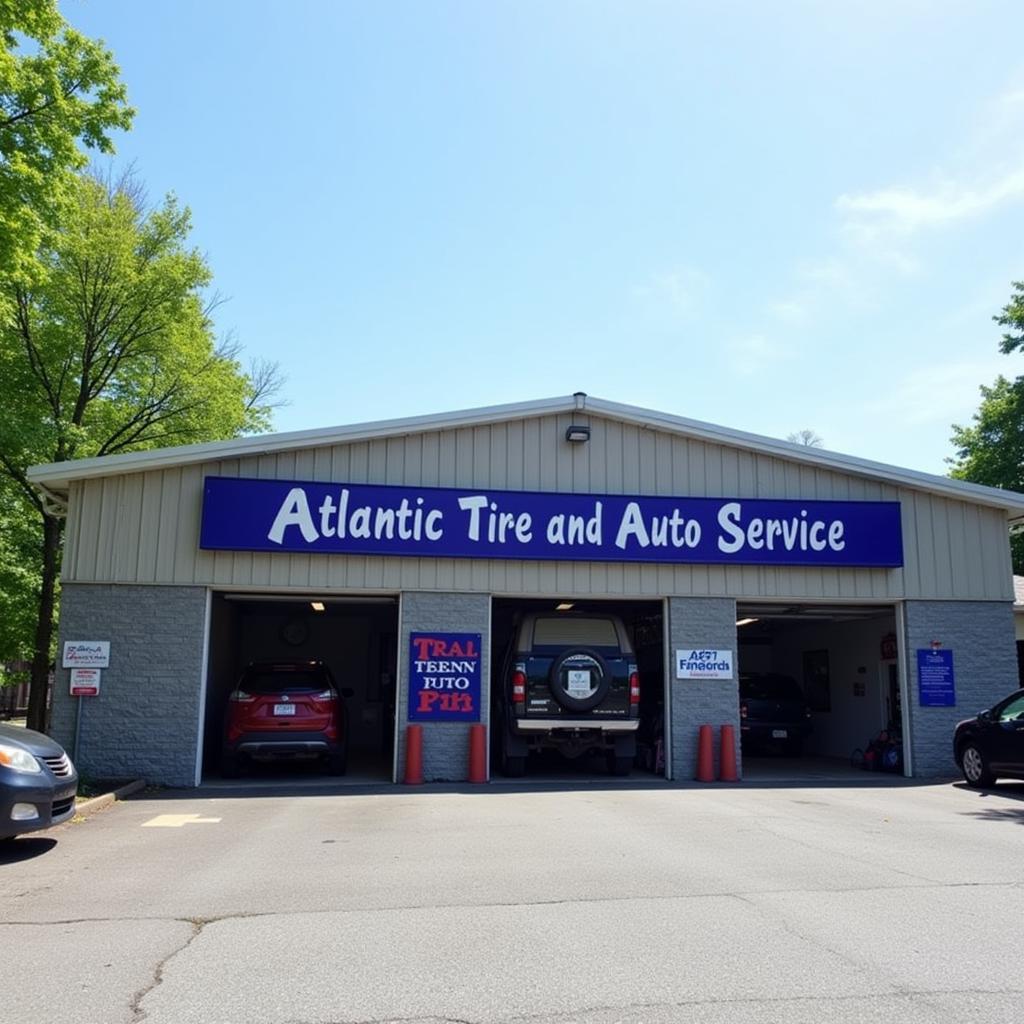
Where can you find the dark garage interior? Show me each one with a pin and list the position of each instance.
(839, 662)
(355, 638)
(643, 621)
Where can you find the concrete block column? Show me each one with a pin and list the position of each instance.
(981, 636)
(707, 622)
(145, 721)
(445, 744)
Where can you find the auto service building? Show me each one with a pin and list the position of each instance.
(884, 592)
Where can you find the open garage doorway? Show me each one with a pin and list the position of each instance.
(298, 729)
(819, 690)
(577, 689)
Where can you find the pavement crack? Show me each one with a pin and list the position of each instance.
(138, 1013)
(526, 904)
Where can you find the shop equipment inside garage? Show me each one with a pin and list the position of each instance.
(842, 659)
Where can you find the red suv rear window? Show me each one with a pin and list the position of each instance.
(264, 681)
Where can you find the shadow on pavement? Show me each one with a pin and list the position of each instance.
(13, 851)
(1003, 802)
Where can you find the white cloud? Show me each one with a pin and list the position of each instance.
(907, 210)
(755, 352)
(790, 311)
(682, 289)
(945, 393)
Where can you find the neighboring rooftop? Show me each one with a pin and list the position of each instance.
(56, 477)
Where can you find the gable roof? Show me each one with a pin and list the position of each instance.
(56, 477)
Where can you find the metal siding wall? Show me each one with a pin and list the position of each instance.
(145, 527)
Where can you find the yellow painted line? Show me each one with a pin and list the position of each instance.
(177, 820)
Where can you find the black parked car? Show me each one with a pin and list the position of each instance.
(773, 711)
(38, 782)
(569, 682)
(991, 745)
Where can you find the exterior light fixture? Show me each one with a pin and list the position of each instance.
(577, 433)
(564, 606)
(745, 622)
(317, 606)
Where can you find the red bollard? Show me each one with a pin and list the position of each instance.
(414, 755)
(705, 755)
(727, 756)
(477, 753)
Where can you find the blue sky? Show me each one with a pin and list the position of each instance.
(769, 216)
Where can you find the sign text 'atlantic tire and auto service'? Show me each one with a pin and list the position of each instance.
(358, 519)
(444, 677)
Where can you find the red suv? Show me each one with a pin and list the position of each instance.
(285, 709)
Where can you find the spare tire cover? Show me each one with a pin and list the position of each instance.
(579, 679)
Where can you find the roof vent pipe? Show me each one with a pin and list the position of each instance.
(581, 399)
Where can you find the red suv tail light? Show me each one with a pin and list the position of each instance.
(634, 685)
(325, 696)
(519, 686)
(241, 697)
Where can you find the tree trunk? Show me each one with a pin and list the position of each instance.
(53, 528)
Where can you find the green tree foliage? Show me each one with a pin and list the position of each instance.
(1012, 317)
(20, 561)
(59, 92)
(991, 451)
(111, 350)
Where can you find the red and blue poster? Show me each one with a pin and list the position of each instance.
(444, 677)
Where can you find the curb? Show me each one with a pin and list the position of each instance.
(98, 803)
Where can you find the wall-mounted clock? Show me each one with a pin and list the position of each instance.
(295, 632)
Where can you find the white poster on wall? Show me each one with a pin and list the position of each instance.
(86, 654)
(703, 663)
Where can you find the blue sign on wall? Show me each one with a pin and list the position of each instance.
(358, 519)
(444, 677)
(936, 686)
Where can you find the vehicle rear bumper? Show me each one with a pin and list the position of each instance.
(528, 725)
(765, 730)
(275, 744)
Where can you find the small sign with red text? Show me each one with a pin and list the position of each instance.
(85, 682)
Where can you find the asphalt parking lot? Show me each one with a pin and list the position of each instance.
(599, 905)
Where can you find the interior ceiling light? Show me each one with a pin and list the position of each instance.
(564, 606)
(577, 433)
(745, 622)
(317, 606)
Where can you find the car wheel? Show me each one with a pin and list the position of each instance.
(620, 766)
(337, 762)
(513, 767)
(230, 765)
(975, 768)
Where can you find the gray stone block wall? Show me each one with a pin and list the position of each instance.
(445, 744)
(981, 636)
(145, 721)
(708, 622)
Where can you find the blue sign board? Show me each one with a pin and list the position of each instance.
(936, 687)
(360, 519)
(444, 677)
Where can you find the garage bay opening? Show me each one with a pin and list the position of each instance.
(301, 686)
(819, 690)
(577, 689)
